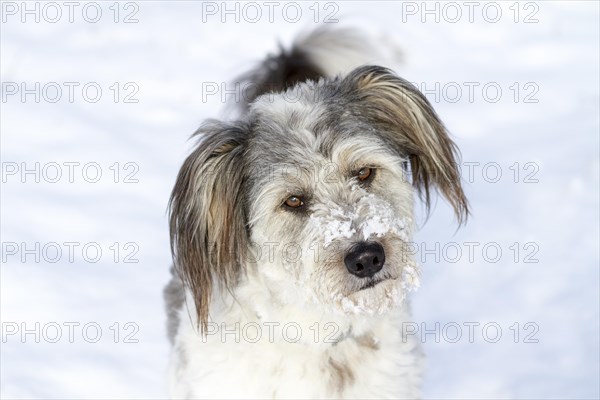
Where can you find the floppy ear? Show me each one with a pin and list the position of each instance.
(408, 121)
(207, 221)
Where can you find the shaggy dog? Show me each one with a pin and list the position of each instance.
(289, 231)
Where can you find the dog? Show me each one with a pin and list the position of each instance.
(289, 228)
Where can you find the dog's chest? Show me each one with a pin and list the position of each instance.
(363, 366)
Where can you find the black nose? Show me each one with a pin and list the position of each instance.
(365, 259)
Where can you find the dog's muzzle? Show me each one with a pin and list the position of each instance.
(365, 259)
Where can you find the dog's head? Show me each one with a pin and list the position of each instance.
(313, 193)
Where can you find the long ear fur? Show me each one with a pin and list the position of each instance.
(411, 124)
(207, 221)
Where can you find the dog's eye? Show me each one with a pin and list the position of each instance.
(294, 202)
(365, 174)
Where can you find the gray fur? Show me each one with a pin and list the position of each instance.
(174, 296)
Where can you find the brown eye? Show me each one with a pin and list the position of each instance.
(294, 202)
(364, 174)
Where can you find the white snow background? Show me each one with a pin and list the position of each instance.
(168, 54)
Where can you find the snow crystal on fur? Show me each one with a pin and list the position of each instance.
(378, 219)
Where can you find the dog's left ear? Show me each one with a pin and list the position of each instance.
(410, 124)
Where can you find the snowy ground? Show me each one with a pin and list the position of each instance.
(547, 284)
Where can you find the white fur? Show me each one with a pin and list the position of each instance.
(273, 367)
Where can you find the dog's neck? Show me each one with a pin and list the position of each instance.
(254, 302)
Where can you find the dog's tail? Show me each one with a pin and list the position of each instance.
(323, 52)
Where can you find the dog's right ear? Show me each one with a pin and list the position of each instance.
(207, 221)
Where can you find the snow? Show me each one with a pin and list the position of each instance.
(333, 227)
(376, 218)
(410, 277)
(553, 304)
(380, 219)
(377, 300)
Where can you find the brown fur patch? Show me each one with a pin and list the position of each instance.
(342, 375)
(367, 341)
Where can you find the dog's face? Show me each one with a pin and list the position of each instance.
(313, 193)
(329, 205)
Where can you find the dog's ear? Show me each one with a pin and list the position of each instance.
(409, 122)
(207, 220)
